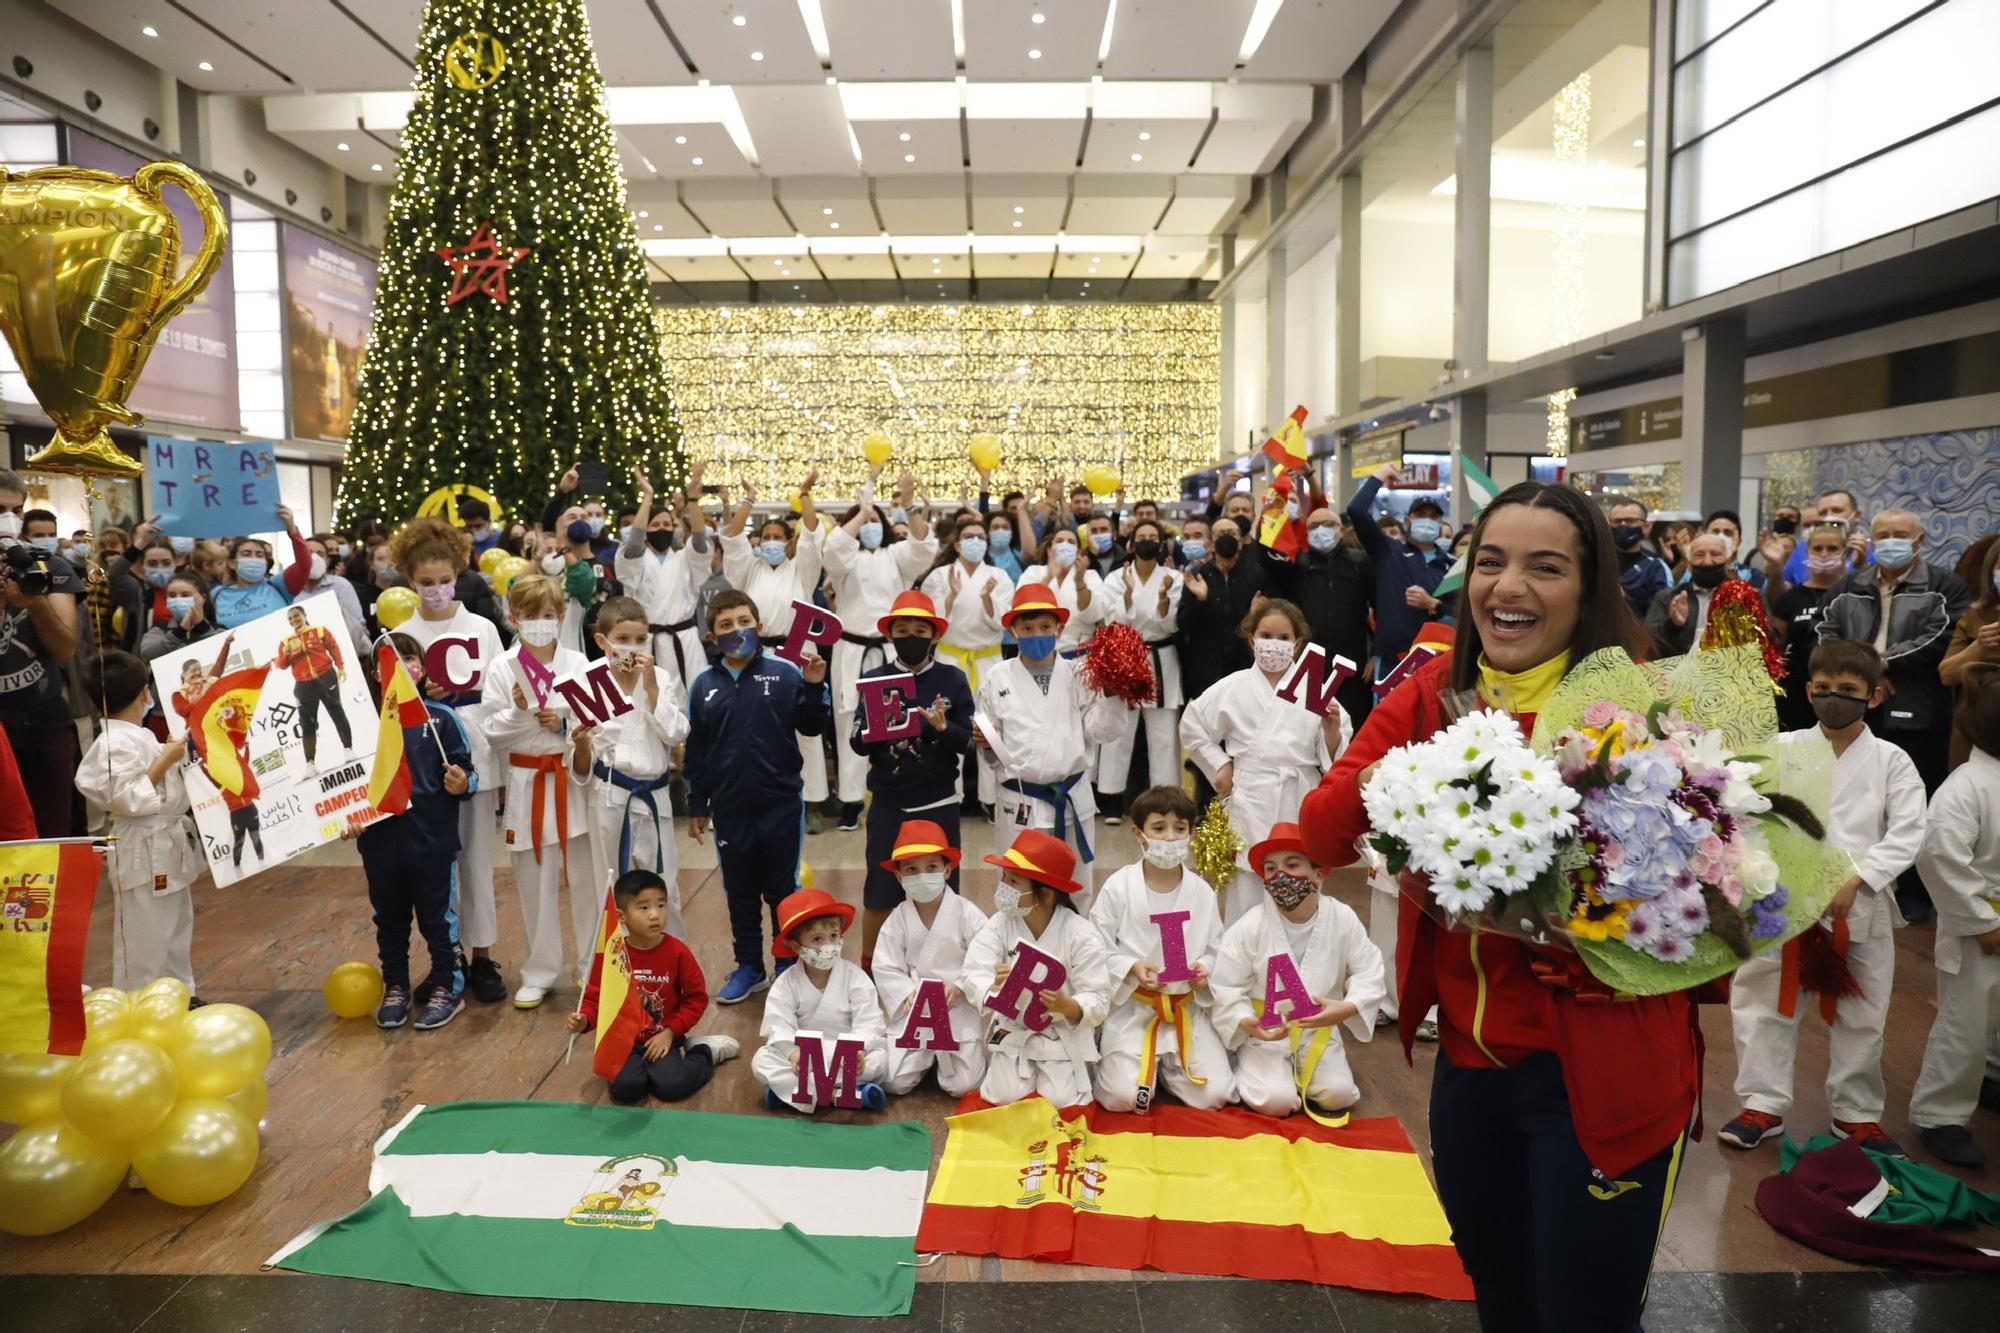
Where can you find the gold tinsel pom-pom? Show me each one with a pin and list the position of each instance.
(1214, 845)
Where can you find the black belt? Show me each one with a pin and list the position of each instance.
(673, 633)
(1153, 646)
(672, 629)
(864, 640)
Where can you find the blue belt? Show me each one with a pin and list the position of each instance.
(1056, 794)
(637, 789)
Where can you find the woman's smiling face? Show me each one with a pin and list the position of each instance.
(1525, 586)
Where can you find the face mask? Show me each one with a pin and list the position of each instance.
(596, 526)
(1628, 538)
(1166, 852)
(316, 569)
(383, 569)
(579, 531)
(1424, 531)
(252, 570)
(623, 655)
(924, 886)
(773, 553)
(871, 536)
(540, 632)
(1227, 545)
(478, 532)
(1007, 901)
(1194, 550)
(159, 578)
(1895, 552)
(972, 548)
(1323, 538)
(1272, 654)
(820, 957)
(1100, 542)
(178, 607)
(181, 545)
(1063, 554)
(1784, 526)
(898, 515)
(1826, 564)
(660, 539)
(1146, 549)
(627, 533)
(437, 596)
(553, 565)
(1036, 647)
(10, 526)
(1002, 539)
(911, 649)
(739, 643)
(342, 551)
(46, 545)
(1288, 890)
(1838, 710)
(1708, 576)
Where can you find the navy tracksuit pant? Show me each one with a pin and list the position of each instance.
(400, 887)
(758, 852)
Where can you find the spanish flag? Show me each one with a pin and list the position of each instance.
(1287, 448)
(1187, 1191)
(619, 1015)
(1276, 528)
(402, 706)
(219, 728)
(46, 892)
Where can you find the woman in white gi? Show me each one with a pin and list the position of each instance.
(666, 579)
(1078, 589)
(971, 593)
(1146, 595)
(925, 938)
(1261, 752)
(827, 995)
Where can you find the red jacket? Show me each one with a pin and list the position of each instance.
(310, 653)
(1632, 1067)
(17, 817)
(670, 985)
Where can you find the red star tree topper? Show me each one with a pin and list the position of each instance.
(480, 265)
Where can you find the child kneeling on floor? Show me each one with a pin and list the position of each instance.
(664, 1060)
(829, 996)
(925, 939)
(1309, 954)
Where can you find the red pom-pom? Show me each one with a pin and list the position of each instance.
(1736, 616)
(1118, 663)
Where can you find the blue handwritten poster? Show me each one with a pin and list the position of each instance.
(206, 488)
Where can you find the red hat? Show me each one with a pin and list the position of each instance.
(1042, 858)
(920, 837)
(801, 907)
(1033, 597)
(1281, 838)
(913, 605)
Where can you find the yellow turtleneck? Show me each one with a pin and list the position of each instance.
(1520, 692)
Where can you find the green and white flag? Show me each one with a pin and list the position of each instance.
(1480, 489)
(606, 1203)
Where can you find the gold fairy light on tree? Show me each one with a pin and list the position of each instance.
(1566, 239)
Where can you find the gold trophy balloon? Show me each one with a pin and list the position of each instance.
(87, 262)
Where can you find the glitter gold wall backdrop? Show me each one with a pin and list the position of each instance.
(769, 391)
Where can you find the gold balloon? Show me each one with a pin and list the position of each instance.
(493, 557)
(984, 451)
(110, 995)
(158, 1018)
(31, 1087)
(1101, 480)
(106, 1021)
(353, 989)
(87, 282)
(876, 449)
(805, 874)
(52, 1177)
(173, 986)
(121, 1092)
(201, 1153)
(508, 570)
(395, 605)
(224, 1048)
(252, 1100)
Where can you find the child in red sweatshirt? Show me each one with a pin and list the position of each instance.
(668, 982)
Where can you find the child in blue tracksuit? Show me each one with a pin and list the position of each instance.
(745, 714)
(409, 857)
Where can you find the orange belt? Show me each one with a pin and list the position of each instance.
(1166, 1009)
(1788, 973)
(544, 766)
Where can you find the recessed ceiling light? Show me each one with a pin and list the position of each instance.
(831, 81)
(659, 226)
(644, 213)
(1138, 157)
(1145, 135)
(701, 83)
(1603, 161)
(826, 212)
(1017, 222)
(904, 137)
(1638, 143)
(909, 157)
(834, 225)
(739, 20)
(341, 146)
(787, 273)
(777, 263)
(1034, 55)
(150, 30)
(680, 138)
(695, 160)
(1097, 259)
(756, 55)
(1038, 18)
(374, 166)
(205, 67)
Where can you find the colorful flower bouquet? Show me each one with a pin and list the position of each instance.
(1653, 824)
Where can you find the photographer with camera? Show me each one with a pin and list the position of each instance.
(38, 634)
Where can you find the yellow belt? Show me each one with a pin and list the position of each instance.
(1166, 1009)
(968, 659)
(1315, 1048)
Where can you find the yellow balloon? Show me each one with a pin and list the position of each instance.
(984, 451)
(252, 1100)
(492, 558)
(52, 1177)
(509, 569)
(110, 995)
(224, 1048)
(158, 1019)
(395, 605)
(106, 1021)
(353, 989)
(121, 1092)
(876, 449)
(1100, 479)
(173, 986)
(805, 874)
(31, 1087)
(201, 1153)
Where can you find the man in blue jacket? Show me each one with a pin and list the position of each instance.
(1398, 566)
(745, 714)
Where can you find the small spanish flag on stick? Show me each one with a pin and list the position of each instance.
(620, 1018)
(1287, 448)
(402, 706)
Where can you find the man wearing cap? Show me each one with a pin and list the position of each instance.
(918, 774)
(925, 939)
(1037, 723)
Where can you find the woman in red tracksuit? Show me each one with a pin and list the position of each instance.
(1558, 1110)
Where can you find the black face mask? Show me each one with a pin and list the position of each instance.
(1784, 526)
(1838, 710)
(1708, 576)
(1227, 545)
(660, 539)
(910, 649)
(1628, 538)
(1146, 549)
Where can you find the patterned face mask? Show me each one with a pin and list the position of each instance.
(1288, 890)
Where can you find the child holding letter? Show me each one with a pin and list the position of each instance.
(922, 949)
(830, 996)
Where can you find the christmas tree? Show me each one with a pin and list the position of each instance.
(512, 332)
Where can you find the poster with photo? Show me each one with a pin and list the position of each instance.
(284, 736)
(329, 293)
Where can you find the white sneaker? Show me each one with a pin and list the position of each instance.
(720, 1047)
(530, 997)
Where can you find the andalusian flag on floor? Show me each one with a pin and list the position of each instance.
(46, 892)
(1189, 1191)
(552, 1199)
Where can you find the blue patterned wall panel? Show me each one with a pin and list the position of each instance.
(1951, 481)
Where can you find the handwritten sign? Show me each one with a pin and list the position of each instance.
(206, 488)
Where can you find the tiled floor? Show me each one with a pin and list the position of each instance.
(335, 1086)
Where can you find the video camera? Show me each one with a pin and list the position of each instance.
(27, 568)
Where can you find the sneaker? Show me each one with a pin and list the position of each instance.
(1427, 1030)
(483, 979)
(1870, 1136)
(1952, 1145)
(741, 984)
(719, 1046)
(814, 825)
(1751, 1128)
(874, 1096)
(773, 1102)
(530, 997)
(444, 1005)
(195, 1002)
(850, 817)
(395, 1010)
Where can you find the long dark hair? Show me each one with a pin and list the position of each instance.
(1604, 618)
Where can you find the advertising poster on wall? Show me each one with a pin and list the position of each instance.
(190, 378)
(329, 292)
(281, 734)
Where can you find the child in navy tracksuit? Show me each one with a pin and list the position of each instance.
(745, 714)
(408, 859)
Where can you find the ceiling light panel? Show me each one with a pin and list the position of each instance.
(721, 50)
(918, 266)
(304, 41)
(1025, 127)
(665, 218)
(632, 47)
(928, 205)
(1254, 127)
(1018, 264)
(1115, 145)
(1123, 203)
(934, 144)
(1176, 39)
(698, 268)
(828, 205)
(798, 130)
(890, 39)
(1177, 257)
(1000, 33)
(1316, 42)
(856, 268)
(743, 207)
(1037, 203)
(711, 143)
(1097, 265)
(1203, 205)
(181, 46)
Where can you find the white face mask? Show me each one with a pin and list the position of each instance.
(539, 632)
(1007, 901)
(318, 568)
(1272, 654)
(10, 525)
(623, 656)
(1166, 852)
(924, 886)
(553, 565)
(819, 957)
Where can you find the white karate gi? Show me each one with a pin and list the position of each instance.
(972, 636)
(1123, 915)
(152, 860)
(1046, 739)
(1055, 1062)
(1162, 719)
(542, 867)
(1876, 816)
(479, 812)
(1280, 753)
(774, 589)
(848, 1007)
(865, 586)
(669, 587)
(1384, 903)
(638, 745)
(906, 952)
(1083, 621)
(1336, 962)
(1960, 864)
